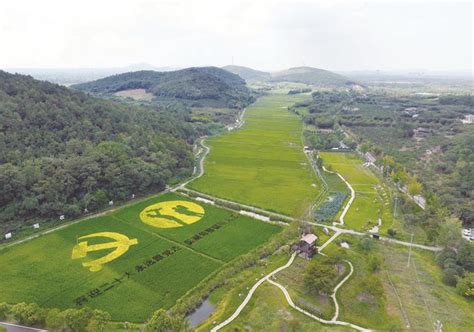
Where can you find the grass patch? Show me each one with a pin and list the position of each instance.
(269, 299)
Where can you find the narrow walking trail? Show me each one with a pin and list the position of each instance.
(250, 293)
(268, 277)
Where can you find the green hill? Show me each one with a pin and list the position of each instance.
(198, 87)
(62, 151)
(312, 76)
(306, 75)
(247, 73)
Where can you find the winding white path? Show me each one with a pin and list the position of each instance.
(349, 203)
(333, 321)
(249, 295)
(324, 321)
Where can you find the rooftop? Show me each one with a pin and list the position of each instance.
(309, 238)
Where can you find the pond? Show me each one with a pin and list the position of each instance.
(201, 313)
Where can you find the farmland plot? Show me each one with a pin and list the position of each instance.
(123, 263)
(263, 163)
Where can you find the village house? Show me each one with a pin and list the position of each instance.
(306, 247)
(468, 119)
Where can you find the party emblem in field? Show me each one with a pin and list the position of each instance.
(172, 214)
(121, 245)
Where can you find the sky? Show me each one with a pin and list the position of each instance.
(263, 34)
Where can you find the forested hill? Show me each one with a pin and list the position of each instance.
(62, 151)
(199, 86)
(312, 76)
(307, 75)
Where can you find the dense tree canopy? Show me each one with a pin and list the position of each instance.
(62, 152)
(203, 86)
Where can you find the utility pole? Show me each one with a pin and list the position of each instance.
(395, 208)
(409, 252)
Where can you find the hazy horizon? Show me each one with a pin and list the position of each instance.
(338, 36)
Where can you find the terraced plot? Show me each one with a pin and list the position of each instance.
(262, 164)
(371, 202)
(122, 265)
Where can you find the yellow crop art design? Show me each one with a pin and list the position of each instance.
(172, 214)
(121, 245)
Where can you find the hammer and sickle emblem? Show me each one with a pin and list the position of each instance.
(121, 245)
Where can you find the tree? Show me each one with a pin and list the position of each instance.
(365, 147)
(55, 319)
(4, 310)
(465, 285)
(366, 244)
(28, 314)
(320, 277)
(465, 255)
(98, 321)
(449, 276)
(450, 233)
(77, 319)
(414, 187)
(391, 232)
(159, 322)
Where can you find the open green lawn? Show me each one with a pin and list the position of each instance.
(263, 163)
(159, 268)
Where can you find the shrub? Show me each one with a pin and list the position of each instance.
(375, 263)
(28, 314)
(366, 244)
(465, 285)
(159, 322)
(450, 276)
(55, 319)
(4, 309)
(320, 277)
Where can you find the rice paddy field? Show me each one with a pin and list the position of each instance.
(372, 200)
(129, 262)
(262, 164)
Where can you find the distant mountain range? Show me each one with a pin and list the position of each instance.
(307, 75)
(196, 86)
(69, 76)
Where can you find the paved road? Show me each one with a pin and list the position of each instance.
(18, 328)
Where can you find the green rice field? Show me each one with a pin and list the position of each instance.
(262, 163)
(63, 269)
